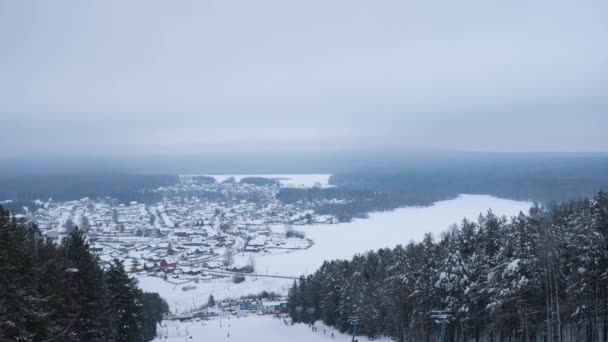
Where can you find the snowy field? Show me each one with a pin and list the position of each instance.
(287, 180)
(249, 329)
(338, 241)
(182, 301)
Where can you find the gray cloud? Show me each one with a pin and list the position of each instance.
(185, 77)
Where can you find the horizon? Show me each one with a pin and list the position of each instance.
(312, 163)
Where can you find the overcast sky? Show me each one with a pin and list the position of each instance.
(141, 78)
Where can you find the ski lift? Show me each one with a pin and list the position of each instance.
(443, 318)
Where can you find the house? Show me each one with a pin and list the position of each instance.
(271, 307)
(274, 307)
(168, 265)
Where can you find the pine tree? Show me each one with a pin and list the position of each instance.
(86, 297)
(155, 308)
(59, 293)
(453, 274)
(211, 301)
(20, 314)
(535, 277)
(125, 303)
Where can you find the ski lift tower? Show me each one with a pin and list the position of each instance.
(354, 321)
(311, 311)
(299, 309)
(443, 318)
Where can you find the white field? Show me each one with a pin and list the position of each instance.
(382, 229)
(251, 328)
(338, 241)
(182, 301)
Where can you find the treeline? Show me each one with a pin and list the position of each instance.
(259, 181)
(352, 203)
(531, 178)
(536, 277)
(544, 179)
(76, 186)
(51, 292)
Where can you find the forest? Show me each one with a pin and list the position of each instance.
(51, 292)
(529, 178)
(74, 186)
(545, 179)
(540, 276)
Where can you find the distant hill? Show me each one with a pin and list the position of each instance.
(542, 178)
(539, 178)
(78, 185)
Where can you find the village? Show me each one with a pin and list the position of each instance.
(195, 232)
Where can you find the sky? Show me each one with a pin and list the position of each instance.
(182, 78)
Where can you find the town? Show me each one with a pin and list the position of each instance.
(198, 230)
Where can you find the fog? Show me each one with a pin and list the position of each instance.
(116, 80)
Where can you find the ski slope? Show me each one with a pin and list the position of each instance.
(249, 329)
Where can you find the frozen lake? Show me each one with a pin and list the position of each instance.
(285, 180)
(383, 229)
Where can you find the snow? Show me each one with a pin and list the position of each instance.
(259, 240)
(513, 266)
(380, 230)
(252, 328)
(181, 301)
(334, 241)
(287, 180)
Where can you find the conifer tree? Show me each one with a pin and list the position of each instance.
(86, 296)
(125, 303)
(540, 276)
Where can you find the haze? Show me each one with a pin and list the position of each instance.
(185, 78)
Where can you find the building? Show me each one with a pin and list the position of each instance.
(168, 265)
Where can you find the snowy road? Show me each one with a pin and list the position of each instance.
(248, 329)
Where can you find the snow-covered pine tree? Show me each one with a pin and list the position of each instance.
(453, 280)
(536, 277)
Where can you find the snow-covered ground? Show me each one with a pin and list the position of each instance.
(383, 229)
(337, 241)
(182, 301)
(287, 180)
(249, 329)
